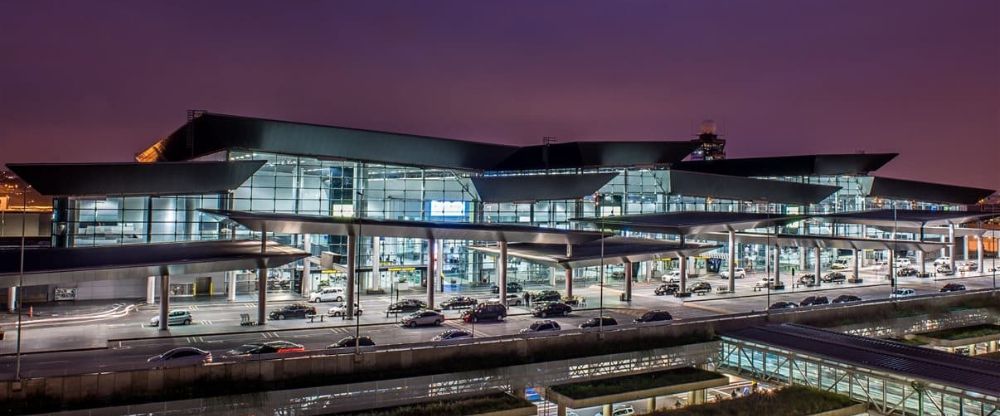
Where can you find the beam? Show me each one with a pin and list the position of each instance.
(502, 273)
(431, 272)
(164, 300)
(352, 256)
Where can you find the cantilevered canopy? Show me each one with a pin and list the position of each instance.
(124, 179)
(801, 165)
(906, 218)
(823, 241)
(680, 182)
(935, 231)
(66, 266)
(876, 186)
(616, 250)
(691, 222)
(318, 224)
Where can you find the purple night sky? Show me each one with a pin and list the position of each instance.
(100, 80)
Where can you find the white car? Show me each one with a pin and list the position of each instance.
(904, 262)
(341, 310)
(940, 261)
(740, 273)
(673, 276)
(626, 410)
(330, 294)
(903, 293)
(968, 267)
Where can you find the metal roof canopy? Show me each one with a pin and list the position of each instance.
(825, 241)
(124, 179)
(691, 222)
(530, 188)
(943, 231)
(982, 376)
(799, 165)
(319, 224)
(62, 266)
(905, 217)
(877, 186)
(680, 182)
(617, 250)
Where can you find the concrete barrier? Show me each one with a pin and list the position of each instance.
(387, 361)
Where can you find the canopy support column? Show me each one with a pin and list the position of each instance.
(231, 291)
(431, 272)
(569, 272)
(816, 267)
(951, 246)
(352, 257)
(12, 297)
(164, 300)
(683, 267)
(856, 263)
(151, 290)
(777, 262)
(502, 273)
(628, 281)
(732, 261)
(262, 281)
(306, 266)
(979, 255)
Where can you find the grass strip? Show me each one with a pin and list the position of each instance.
(617, 385)
(449, 407)
(789, 401)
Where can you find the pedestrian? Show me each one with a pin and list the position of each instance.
(746, 391)
(677, 404)
(527, 299)
(733, 394)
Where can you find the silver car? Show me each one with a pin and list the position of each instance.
(173, 318)
(179, 357)
(423, 317)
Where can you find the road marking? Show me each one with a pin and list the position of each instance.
(193, 307)
(250, 305)
(206, 322)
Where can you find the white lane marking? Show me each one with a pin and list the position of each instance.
(193, 307)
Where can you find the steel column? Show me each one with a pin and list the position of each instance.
(352, 256)
(431, 272)
(628, 281)
(569, 272)
(732, 261)
(951, 246)
(151, 290)
(817, 266)
(164, 300)
(979, 255)
(262, 280)
(502, 273)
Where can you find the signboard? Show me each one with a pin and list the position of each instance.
(447, 209)
(65, 293)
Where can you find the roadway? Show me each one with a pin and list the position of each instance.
(121, 338)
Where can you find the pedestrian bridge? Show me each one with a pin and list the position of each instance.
(894, 378)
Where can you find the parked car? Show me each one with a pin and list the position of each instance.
(906, 271)
(329, 294)
(701, 287)
(341, 310)
(456, 302)
(807, 279)
(512, 300)
(834, 277)
(182, 356)
(452, 335)
(423, 317)
(769, 282)
(597, 322)
(940, 261)
(295, 310)
(740, 273)
(968, 267)
(903, 293)
(846, 299)
(783, 305)
(654, 316)
(485, 311)
(541, 326)
(667, 289)
(953, 287)
(512, 287)
(350, 342)
(673, 276)
(944, 270)
(176, 317)
(626, 410)
(406, 306)
(814, 300)
(902, 262)
(838, 265)
(551, 309)
(546, 296)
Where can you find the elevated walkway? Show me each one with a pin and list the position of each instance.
(894, 378)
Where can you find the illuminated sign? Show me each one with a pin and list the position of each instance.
(447, 208)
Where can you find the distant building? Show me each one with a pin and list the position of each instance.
(710, 146)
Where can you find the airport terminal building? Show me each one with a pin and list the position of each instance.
(191, 186)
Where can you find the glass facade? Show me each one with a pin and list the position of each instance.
(341, 188)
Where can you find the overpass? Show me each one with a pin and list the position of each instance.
(892, 377)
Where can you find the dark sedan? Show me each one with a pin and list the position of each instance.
(597, 322)
(551, 309)
(667, 289)
(783, 305)
(654, 316)
(953, 287)
(295, 310)
(456, 302)
(846, 299)
(814, 300)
